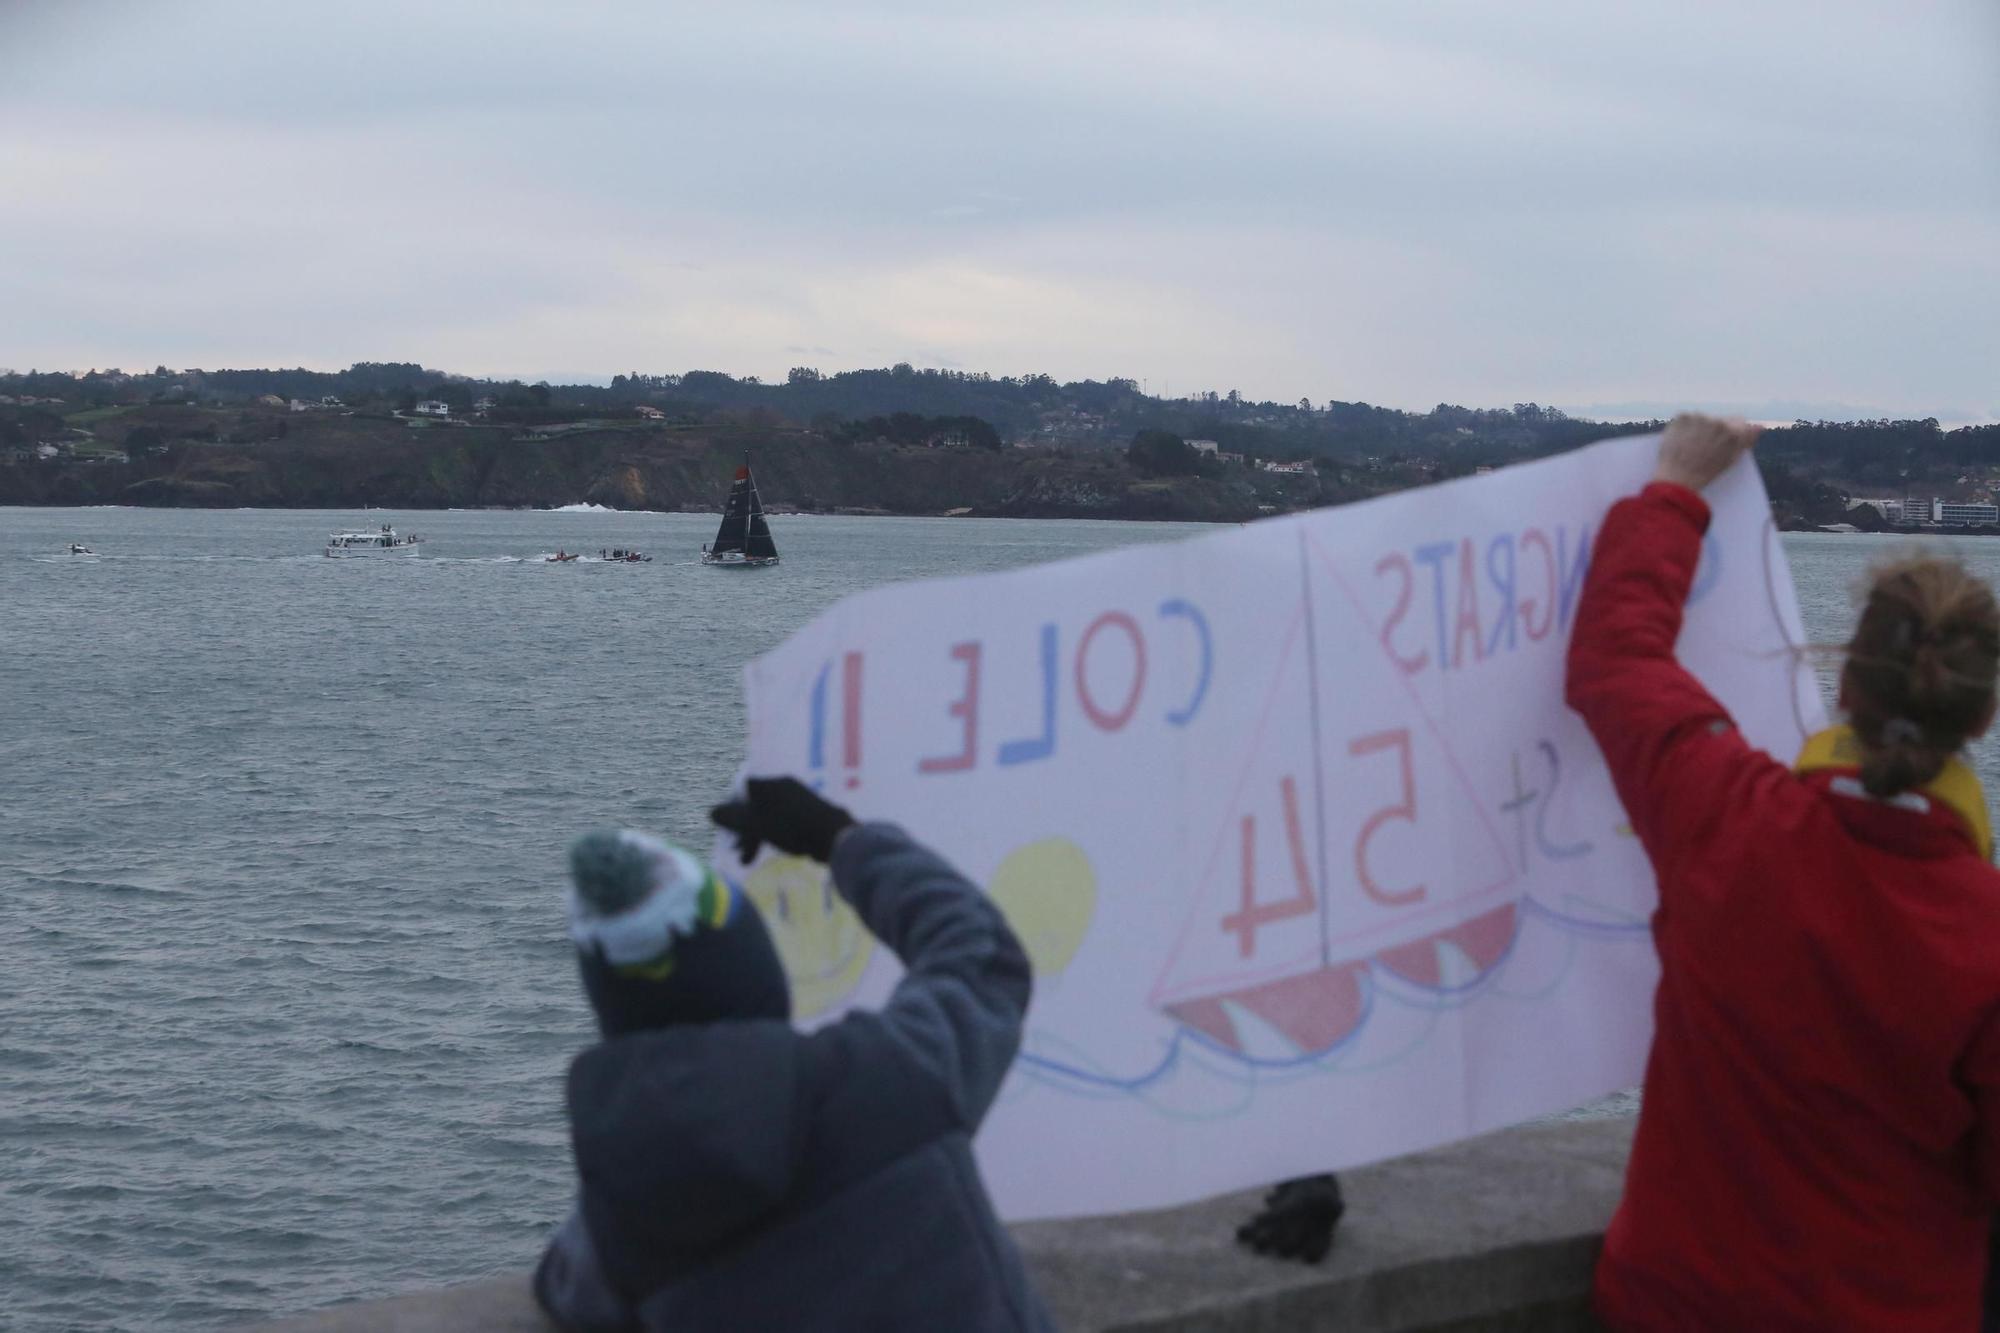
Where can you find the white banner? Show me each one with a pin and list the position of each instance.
(1314, 864)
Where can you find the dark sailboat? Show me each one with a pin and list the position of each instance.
(744, 539)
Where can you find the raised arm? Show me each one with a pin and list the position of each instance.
(1675, 756)
(957, 1011)
(934, 1055)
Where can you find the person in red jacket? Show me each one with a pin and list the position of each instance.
(1819, 1139)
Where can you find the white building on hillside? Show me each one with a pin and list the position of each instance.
(432, 407)
(1952, 514)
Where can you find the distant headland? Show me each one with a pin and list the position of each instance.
(894, 441)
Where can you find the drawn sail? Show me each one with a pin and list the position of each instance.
(1305, 911)
(744, 538)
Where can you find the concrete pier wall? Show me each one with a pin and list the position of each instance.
(1495, 1234)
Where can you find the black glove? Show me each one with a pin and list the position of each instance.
(785, 813)
(1297, 1221)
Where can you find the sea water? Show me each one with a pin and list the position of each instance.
(285, 999)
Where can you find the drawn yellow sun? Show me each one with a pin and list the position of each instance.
(820, 940)
(1049, 893)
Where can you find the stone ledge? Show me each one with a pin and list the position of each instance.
(1489, 1236)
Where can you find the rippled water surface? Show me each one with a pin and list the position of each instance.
(284, 996)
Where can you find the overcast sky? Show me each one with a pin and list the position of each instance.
(1787, 206)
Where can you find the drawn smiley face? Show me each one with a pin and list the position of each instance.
(821, 942)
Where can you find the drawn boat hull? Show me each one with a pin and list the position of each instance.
(1318, 1009)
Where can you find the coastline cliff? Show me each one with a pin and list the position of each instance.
(348, 462)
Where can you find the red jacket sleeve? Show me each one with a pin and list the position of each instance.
(1676, 759)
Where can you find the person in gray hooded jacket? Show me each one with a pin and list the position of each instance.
(738, 1174)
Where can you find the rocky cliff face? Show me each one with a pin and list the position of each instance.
(349, 462)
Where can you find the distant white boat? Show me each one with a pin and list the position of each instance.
(78, 548)
(384, 542)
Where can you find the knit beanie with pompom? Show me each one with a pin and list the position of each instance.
(662, 939)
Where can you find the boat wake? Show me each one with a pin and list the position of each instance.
(101, 557)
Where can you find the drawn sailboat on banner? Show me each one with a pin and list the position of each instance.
(1295, 920)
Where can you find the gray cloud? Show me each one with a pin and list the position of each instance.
(1563, 201)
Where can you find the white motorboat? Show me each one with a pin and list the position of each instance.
(385, 542)
(78, 548)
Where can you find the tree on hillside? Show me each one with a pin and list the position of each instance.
(707, 383)
(144, 439)
(913, 428)
(1161, 453)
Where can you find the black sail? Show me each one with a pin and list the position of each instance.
(736, 515)
(758, 545)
